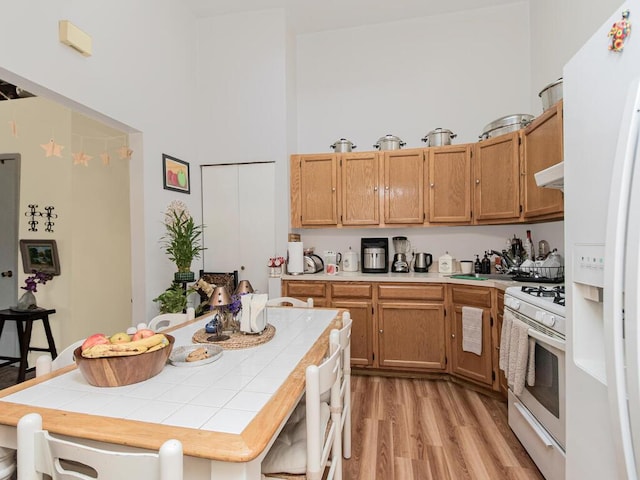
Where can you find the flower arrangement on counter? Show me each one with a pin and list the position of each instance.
(276, 262)
(38, 278)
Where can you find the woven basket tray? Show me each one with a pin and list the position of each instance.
(237, 340)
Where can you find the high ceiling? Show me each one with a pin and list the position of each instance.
(316, 15)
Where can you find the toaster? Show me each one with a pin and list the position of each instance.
(313, 263)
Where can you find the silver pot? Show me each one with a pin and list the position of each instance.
(551, 94)
(439, 137)
(343, 145)
(389, 142)
(507, 124)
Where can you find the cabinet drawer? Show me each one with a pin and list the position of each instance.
(307, 289)
(403, 291)
(480, 297)
(351, 290)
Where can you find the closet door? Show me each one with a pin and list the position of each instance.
(239, 216)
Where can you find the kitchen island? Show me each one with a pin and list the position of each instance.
(226, 413)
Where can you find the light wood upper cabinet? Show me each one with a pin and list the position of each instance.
(314, 190)
(542, 148)
(360, 188)
(404, 186)
(496, 173)
(449, 184)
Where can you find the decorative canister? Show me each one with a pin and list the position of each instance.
(445, 263)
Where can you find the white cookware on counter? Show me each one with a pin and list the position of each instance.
(350, 261)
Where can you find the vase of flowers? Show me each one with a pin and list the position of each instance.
(275, 266)
(182, 240)
(28, 300)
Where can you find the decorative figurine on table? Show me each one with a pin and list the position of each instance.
(619, 32)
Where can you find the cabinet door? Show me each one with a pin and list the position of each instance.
(318, 189)
(449, 184)
(411, 335)
(238, 206)
(361, 330)
(496, 179)
(542, 148)
(360, 183)
(468, 364)
(303, 290)
(404, 186)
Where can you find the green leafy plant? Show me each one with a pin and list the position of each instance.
(173, 299)
(183, 236)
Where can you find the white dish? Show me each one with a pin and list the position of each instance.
(179, 355)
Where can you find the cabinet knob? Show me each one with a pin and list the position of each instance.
(433, 185)
(453, 335)
(380, 330)
(333, 189)
(375, 189)
(477, 181)
(387, 187)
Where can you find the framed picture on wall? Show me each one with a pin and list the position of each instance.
(175, 174)
(40, 255)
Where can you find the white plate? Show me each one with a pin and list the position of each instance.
(179, 354)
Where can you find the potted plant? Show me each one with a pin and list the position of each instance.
(182, 240)
(173, 299)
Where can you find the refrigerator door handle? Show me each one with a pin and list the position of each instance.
(614, 271)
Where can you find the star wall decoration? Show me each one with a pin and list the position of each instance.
(124, 152)
(52, 149)
(81, 158)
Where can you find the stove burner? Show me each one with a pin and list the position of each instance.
(557, 293)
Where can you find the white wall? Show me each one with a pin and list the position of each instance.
(141, 77)
(406, 78)
(243, 103)
(558, 29)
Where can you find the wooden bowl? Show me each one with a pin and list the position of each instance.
(119, 371)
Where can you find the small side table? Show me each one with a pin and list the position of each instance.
(24, 324)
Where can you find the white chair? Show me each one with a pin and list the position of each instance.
(166, 320)
(311, 439)
(344, 335)
(285, 301)
(40, 453)
(45, 365)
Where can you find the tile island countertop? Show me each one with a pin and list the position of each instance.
(226, 412)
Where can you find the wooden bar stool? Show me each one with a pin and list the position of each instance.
(24, 325)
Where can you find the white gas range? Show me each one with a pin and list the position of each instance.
(537, 414)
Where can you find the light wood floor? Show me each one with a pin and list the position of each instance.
(413, 429)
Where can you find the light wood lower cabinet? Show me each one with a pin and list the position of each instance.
(467, 364)
(411, 335)
(411, 327)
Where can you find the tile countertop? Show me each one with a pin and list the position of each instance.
(403, 277)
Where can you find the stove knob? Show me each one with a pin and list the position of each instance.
(513, 303)
(549, 320)
(539, 316)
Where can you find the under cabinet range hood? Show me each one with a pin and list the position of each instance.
(552, 177)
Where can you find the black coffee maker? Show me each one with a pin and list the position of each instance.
(374, 253)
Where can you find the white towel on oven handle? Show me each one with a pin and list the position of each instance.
(472, 330)
(505, 342)
(518, 356)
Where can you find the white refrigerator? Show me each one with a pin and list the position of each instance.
(602, 235)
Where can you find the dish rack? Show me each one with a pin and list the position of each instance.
(540, 274)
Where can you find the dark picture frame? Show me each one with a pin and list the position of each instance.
(175, 174)
(40, 255)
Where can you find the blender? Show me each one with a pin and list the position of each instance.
(402, 246)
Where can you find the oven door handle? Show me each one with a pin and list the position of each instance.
(535, 426)
(559, 344)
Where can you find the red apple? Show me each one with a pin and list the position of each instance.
(95, 339)
(144, 333)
